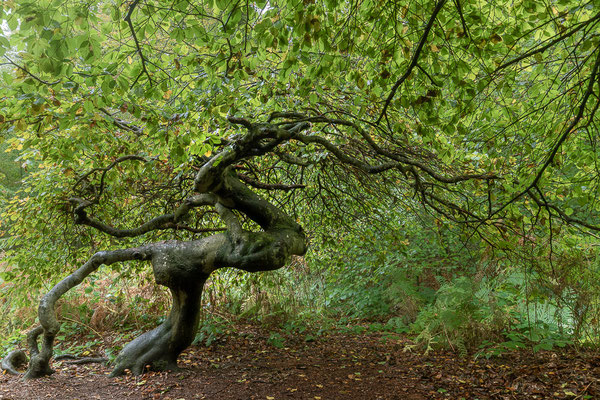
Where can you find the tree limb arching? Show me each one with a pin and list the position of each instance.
(267, 186)
(594, 75)
(104, 172)
(184, 266)
(12, 361)
(548, 45)
(25, 70)
(39, 365)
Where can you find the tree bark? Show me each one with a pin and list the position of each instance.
(183, 267)
(159, 348)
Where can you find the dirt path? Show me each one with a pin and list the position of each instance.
(336, 367)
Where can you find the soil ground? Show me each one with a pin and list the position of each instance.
(247, 366)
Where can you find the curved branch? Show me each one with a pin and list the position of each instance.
(563, 137)
(291, 159)
(346, 159)
(575, 121)
(166, 221)
(414, 59)
(105, 170)
(120, 123)
(542, 203)
(39, 363)
(234, 227)
(30, 74)
(12, 361)
(400, 162)
(251, 144)
(137, 43)
(269, 186)
(206, 199)
(240, 121)
(161, 222)
(550, 44)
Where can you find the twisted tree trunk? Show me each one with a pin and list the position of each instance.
(183, 267)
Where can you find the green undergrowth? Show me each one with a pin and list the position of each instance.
(427, 285)
(431, 285)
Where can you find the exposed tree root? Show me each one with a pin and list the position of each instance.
(74, 360)
(13, 361)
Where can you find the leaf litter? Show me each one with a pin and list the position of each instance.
(339, 366)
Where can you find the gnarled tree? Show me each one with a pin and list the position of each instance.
(184, 266)
(482, 111)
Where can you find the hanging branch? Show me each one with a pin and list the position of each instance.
(11, 62)
(563, 137)
(413, 61)
(462, 17)
(104, 172)
(269, 186)
(543, 203)
(541, 49)
(137, 44)
(400, 161)
(574, 123)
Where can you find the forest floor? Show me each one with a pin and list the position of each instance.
(245, 365)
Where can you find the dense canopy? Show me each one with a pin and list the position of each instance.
(440, 91)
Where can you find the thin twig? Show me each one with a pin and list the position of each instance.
(414, 60)
(137, 43)
(30, 74)
(559, 39)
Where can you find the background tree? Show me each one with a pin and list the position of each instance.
(142, 113)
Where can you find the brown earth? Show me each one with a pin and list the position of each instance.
(340, 366)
